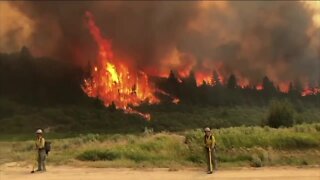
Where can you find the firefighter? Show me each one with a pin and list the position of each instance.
(41, 152)
(210, 150)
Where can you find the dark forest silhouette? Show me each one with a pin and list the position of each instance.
(44, 81)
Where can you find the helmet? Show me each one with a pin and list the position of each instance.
(39, 131)
(207, 129)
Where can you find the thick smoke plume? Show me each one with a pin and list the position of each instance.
(249, 39)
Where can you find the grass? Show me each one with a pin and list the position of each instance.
(237, 146)
(21, 119)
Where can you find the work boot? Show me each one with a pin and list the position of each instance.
(209, 172)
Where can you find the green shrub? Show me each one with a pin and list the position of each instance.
(139, 156)
(152, 146)
(240, 146)
(224, 157)
(96, 155)
(280, 114)
(196, 158)
(256, 161)
(298, 137)
(296, 141)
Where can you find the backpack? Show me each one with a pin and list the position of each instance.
(47, 146)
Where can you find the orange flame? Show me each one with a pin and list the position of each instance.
(201, 78)
(113, 82)
(284, 87)
(259, 87)
(175, 100)
(205, 77)
(310, 91)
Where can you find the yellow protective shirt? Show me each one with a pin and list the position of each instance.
(40, 143)
(209, 141)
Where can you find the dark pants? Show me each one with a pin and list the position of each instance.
(41, 160)
(214, 163)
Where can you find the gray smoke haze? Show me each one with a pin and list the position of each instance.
(250, 39)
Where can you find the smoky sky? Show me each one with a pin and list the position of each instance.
(249, 39)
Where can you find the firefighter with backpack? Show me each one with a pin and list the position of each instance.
(210, 150)
(42, 149)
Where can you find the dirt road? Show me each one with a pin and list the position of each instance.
(8, 172)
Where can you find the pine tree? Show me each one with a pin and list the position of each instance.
(268, 87)
(232, 82)
(191, 80)
(216, 79)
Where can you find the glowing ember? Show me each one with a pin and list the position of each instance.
(113, 82)
(243, 83)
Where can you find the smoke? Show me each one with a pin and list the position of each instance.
(249, 39)
(15, 28)
(254, 39)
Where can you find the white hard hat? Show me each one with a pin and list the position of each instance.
(207, 129)
(39, 131)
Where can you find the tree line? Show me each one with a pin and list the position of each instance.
(230, 93)
(43, 81)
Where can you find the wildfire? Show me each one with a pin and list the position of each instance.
(201, 78)
(116, 83)
(243, 83)
(112, 81)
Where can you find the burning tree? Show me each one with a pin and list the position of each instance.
(113, 81)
